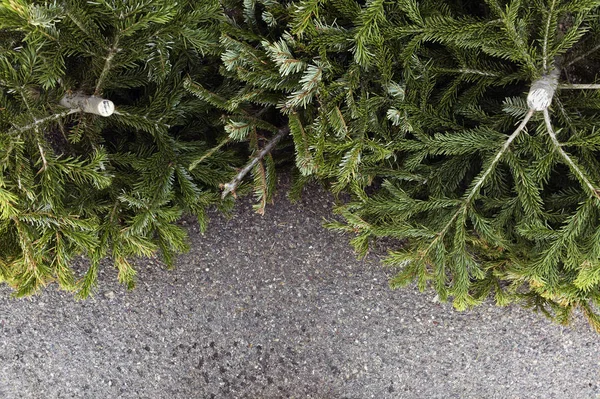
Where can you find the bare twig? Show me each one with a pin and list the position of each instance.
(233, 184)
(591, 86)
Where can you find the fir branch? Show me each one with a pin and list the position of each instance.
(593, 191)
(368, 31)
(310, 84)
(89, 28)
(43, 155)
(579, 86)
(470, 71)
(551, 18)
(199, 91)
(8, 201)
(304, 160)
(38, 122)
(233, 184)
(583, 56)
(509, 19)
(304, 12)
(208, 154)
(480, 181)
(237, 130)
(280, 53)
(112, 51)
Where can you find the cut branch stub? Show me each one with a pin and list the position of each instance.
(542, 91)
(90, 104)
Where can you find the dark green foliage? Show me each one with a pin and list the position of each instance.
(416, 108)
(411, 106)
(73, 183)
(479, 213)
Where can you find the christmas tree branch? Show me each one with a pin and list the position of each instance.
(595, 192)
(208, 154)
(590, 86)
(43, 155)
(95, 36)
(481, 180)
(107, 65)
(546, 35)
(233, 184)
(38, 122)
(583, 56)
(469, 71)
(504, 148)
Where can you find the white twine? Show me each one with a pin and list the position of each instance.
(542, 91)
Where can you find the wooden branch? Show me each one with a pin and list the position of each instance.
(233, 184)
(107, 65)
(208, 154)
(593, 190)
(481, 180)
(542, 91)
(38, 122)
(583, 86)
(582, 56)
(89, 104)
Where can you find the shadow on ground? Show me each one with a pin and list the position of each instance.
(278, 307)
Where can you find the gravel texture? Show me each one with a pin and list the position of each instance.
(278, 307)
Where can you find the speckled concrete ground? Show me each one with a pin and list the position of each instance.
(278, 307)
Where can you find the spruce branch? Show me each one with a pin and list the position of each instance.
(595, 192)
(547, 35)
(304, 12)
(583, 56)
(508, 18)
(581, 86)
(499, 155)
(91, 31)
(233, 184)
(310, 84)
(480, 181)
(112, 51)
(38, 122)
(280, 53)
(43, 155)
(208, 154)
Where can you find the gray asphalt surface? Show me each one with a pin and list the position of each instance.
(278, 307)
